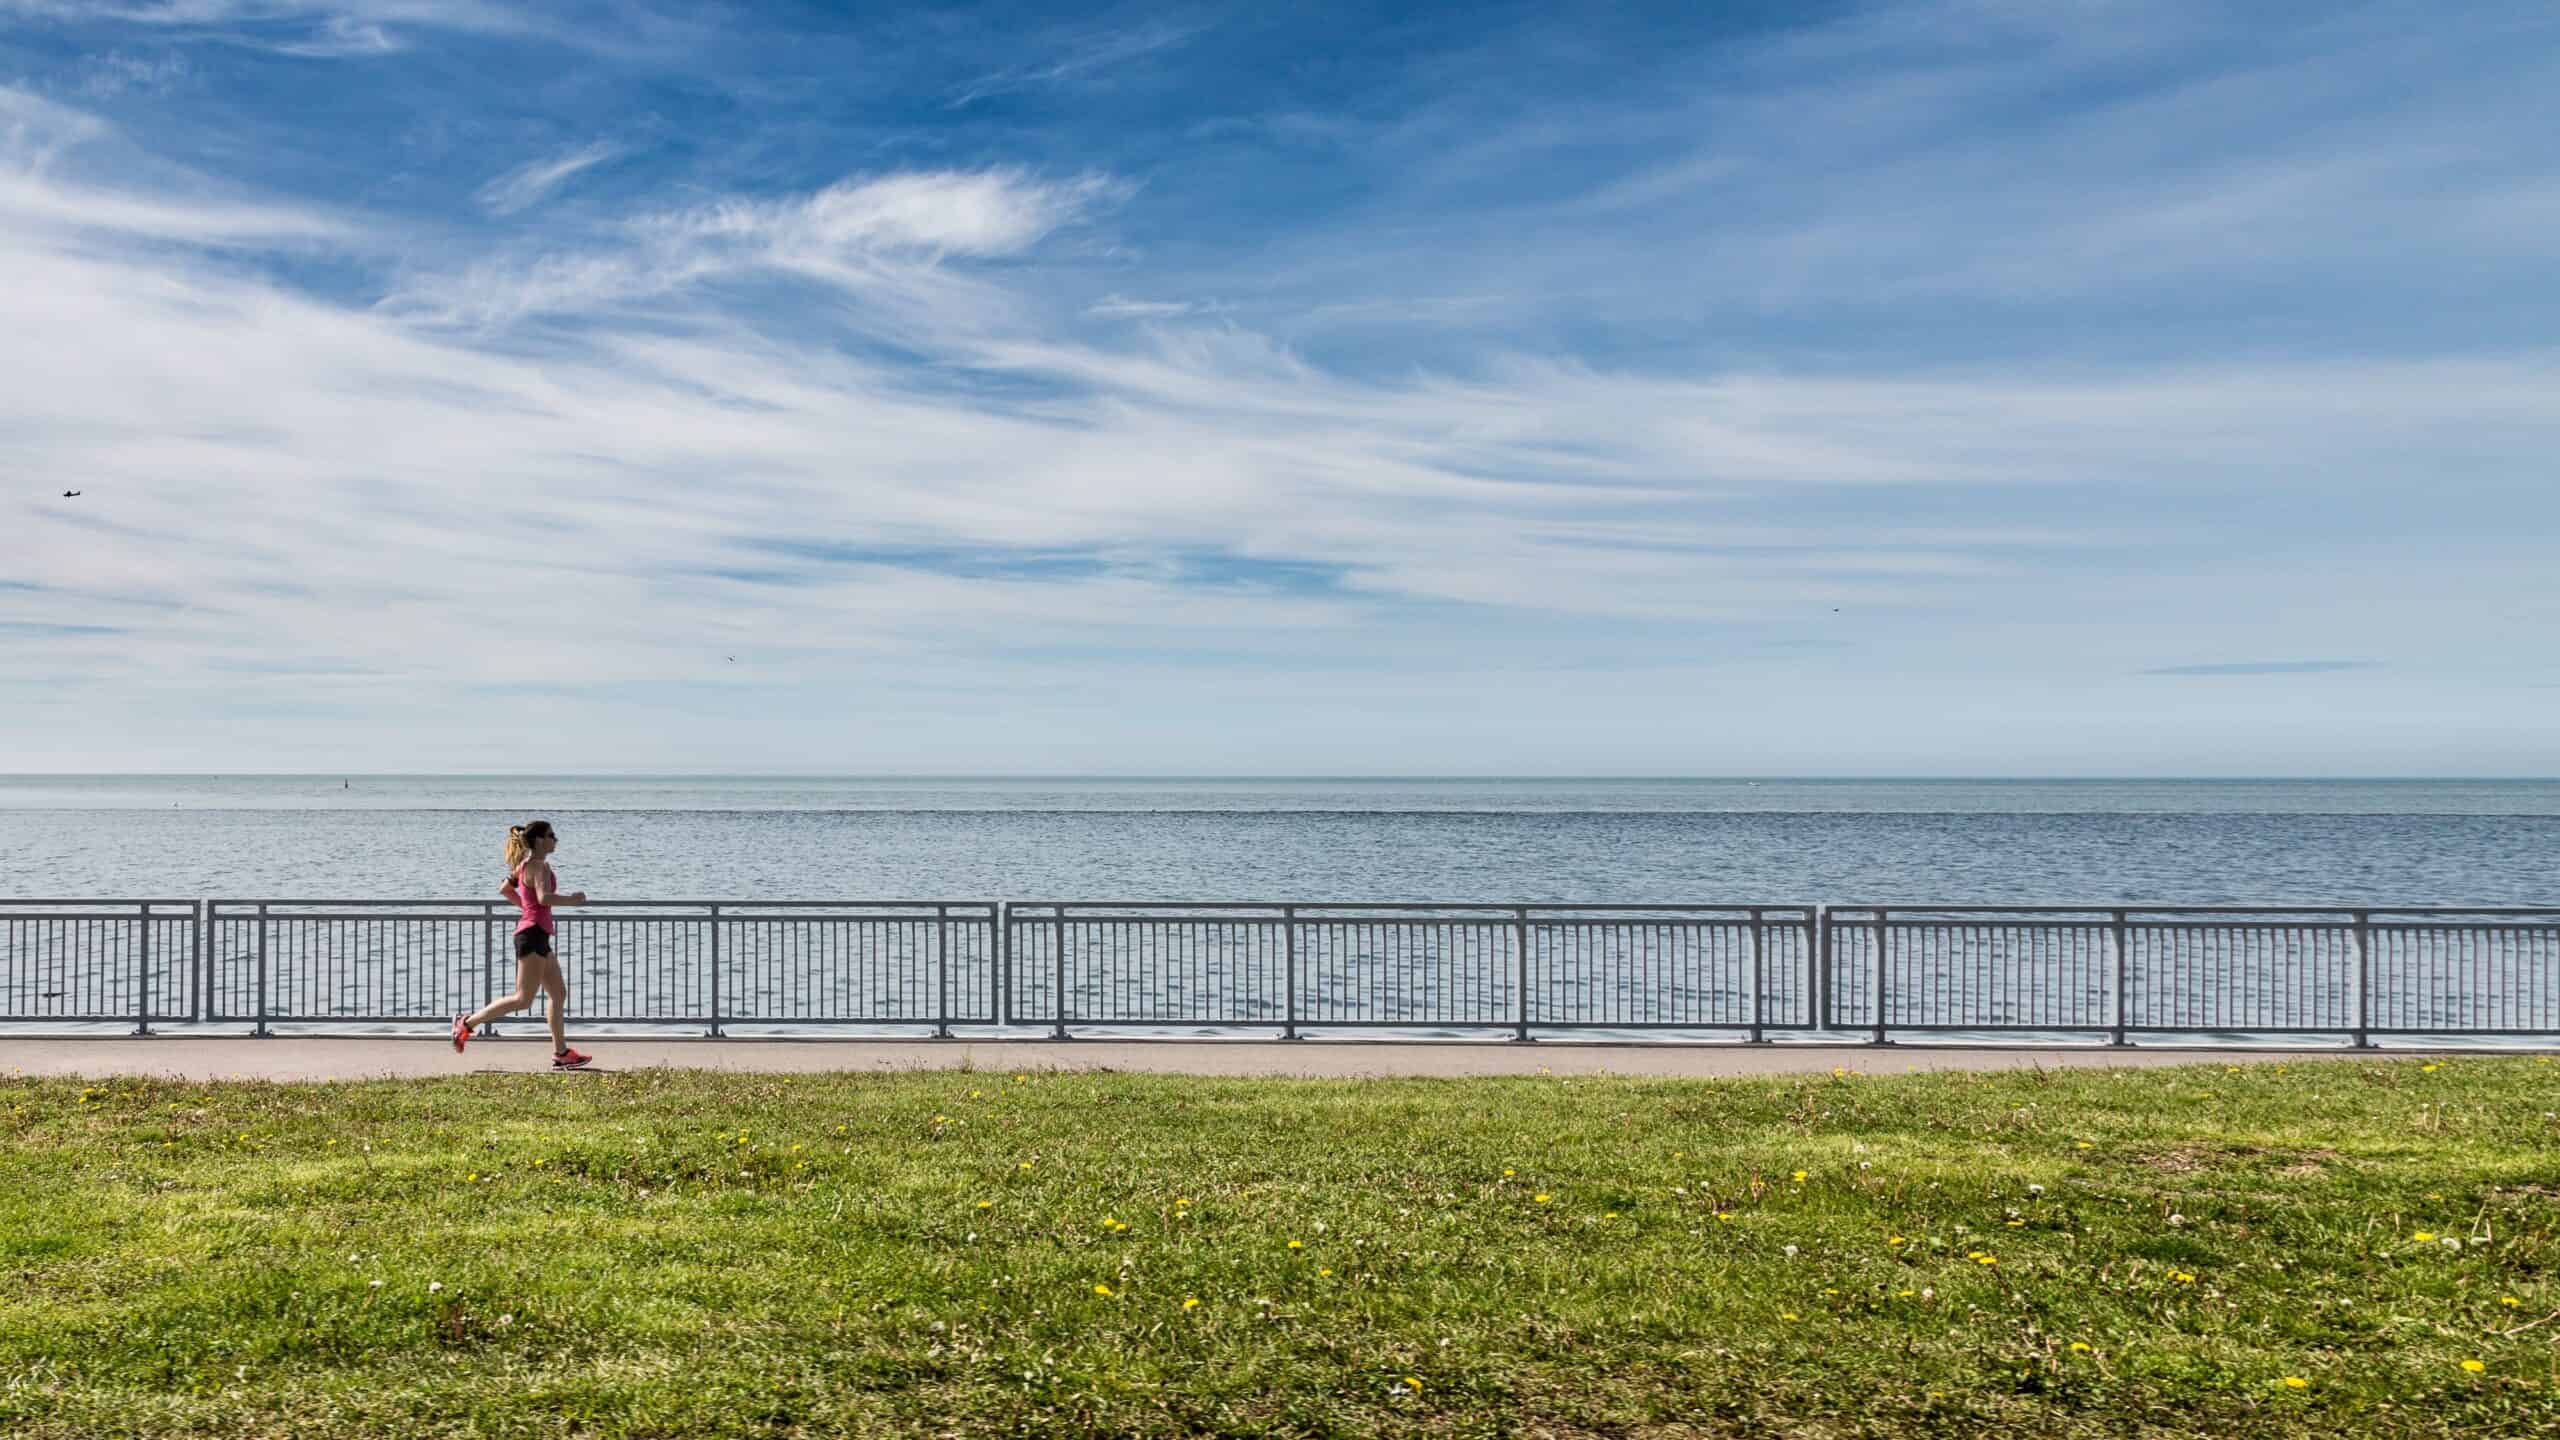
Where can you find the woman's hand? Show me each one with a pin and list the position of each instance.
(578, 898)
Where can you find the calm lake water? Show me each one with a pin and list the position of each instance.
(1625, 841)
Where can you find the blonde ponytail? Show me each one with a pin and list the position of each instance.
(520, 840)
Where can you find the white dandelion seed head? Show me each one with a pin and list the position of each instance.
(434, 1285)
(1791, 1250)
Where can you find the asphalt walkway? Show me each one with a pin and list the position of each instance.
(339, 1058)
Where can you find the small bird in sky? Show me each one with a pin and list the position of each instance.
(733, 659)
(70, 494)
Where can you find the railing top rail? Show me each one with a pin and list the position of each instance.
(94, 901)
(496, 902)
(1915, 907)
(1504, 907)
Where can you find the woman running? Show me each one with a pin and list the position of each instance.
(535, 890)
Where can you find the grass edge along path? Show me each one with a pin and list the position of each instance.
(2323, 1249)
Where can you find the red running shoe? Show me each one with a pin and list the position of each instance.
(570, 1059)
(461, 1032)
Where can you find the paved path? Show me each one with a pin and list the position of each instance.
(308, 1058)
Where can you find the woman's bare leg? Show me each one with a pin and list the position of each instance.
(556, 985)
(528, 980)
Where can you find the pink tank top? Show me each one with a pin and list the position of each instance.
(537, 916)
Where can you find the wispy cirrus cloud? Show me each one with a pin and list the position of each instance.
(537, 179)
(884, 237)
(2266, 667)
(1082, 56)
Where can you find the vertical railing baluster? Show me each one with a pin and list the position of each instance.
(715, 972)
(942, 968)
(1289, 972)
(1520, 942)
(1058, 914)
(1817, 995)
(1882, 979)
(1759, 976)
(2364, 979)
(2121, 936)
(142, 976)
(262, 971)
(199, 963)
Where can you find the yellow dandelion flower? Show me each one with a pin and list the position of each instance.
(1026, 1164)
(1190, 1302)
(2078, 1348)
(472, 1178)
(1990, 1260)
(2296, 1382)
(1800, 1177)
(1893, 1239)
(2473, 1366)
(1320, 1274)
(2082, 1145)
(2509, 1300)
(2427, 1069)
(1904, 1294)
(1507, 1174)
(1544, 1198)
(1612, 1215)
(1415, 1383)
(2182, 1277)
(986, 1204)
(1786, 1314)
(1102, 1290)
(1724, 1215)
(2424, 1237)
(1297, 1244)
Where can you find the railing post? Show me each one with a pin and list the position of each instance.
(1817, 991)
(1520, 941)
(262, 972)
(715, 972)
(142, 975)
(199, 965)
(1289, 976)
(2116, 1035)
(2120, 939)
(1759, 981)
(488, 961)
(2364, 979)
(1058, 916)
(942, 969)
(1883, 939)
(1000, 958)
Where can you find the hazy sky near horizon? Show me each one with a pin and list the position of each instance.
(1954, 387)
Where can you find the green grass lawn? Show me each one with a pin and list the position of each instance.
(2309, 1249)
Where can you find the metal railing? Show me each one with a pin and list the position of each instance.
(637, 962)
(1520, 968)
(100, 960)
(1516, 970)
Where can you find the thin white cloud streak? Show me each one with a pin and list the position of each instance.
(884, 238)
(527, 184)
(1085, 58)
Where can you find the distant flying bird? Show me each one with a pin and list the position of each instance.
(733, 659)
(70, 494)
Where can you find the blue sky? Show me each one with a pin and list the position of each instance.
(1964, 387)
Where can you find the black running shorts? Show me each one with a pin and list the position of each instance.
(532, 940)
